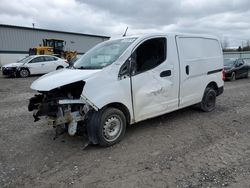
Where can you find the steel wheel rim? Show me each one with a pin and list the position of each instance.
(112, 128)
(24, 73)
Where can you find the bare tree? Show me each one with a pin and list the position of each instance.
(225, 43)
(247, 47)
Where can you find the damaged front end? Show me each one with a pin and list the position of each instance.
(63, 107)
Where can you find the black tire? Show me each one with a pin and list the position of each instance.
(59, 67)
(233, 77)
(247, 75)
(209, 99)
(24, 73)
(102, 124)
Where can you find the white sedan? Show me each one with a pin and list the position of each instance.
(35, 64)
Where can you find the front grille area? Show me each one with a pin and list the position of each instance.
(8, 70)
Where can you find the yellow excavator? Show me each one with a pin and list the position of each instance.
(53, 47)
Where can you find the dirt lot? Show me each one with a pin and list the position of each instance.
(186, 148)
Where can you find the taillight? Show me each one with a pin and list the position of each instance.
(223, 75)
(66, 62)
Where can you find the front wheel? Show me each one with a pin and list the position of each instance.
(106, 127)
(24, 73)
(208, 101)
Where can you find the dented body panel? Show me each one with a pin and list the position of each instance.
(154, 95)
(110, 89)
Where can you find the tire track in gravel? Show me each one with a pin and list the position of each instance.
(16, 97)
(13, 112)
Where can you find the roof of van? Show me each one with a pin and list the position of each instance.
(169, 34)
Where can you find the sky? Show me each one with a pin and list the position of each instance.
(227, 19)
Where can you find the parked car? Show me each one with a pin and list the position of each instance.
(130, 79)
(235, 68)
(35, 64)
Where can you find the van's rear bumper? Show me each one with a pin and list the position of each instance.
(220, 90)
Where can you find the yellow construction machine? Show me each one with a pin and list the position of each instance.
(53, 47)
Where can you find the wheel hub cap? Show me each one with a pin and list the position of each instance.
(112, 128)
(24, 73)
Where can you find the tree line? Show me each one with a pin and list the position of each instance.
(225, 47)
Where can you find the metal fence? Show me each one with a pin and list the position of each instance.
(244, 55)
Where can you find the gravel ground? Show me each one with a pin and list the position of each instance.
(186, 148)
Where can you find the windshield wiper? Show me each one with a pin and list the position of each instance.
(83, 68)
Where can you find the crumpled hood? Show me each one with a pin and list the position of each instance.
(13, 65)
(60, 78)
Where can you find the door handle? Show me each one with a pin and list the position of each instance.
(165, 73)
(187, 69)
(42, 64)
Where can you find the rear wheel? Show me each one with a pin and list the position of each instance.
(232, 78)
(106, 127)
(209, 99)
(23, 73)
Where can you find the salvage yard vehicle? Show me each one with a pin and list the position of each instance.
(235, 68)
(35, 64)
(130, 79)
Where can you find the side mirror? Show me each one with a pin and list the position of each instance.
(128, 68)
(133, 66)
(125, 69)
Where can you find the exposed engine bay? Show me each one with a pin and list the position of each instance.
(63, 107)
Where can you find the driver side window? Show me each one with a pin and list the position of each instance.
(150, 54)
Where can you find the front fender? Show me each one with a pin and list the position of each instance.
(99, 93)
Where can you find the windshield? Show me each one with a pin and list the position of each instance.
(229, 62)
(25, 60)
(103, 54)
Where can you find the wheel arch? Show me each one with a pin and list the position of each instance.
(214, 85)
(25, 68)
(59, 67)
(121, 107)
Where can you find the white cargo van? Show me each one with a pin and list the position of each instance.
(130, 79)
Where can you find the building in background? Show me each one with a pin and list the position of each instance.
(15, 41)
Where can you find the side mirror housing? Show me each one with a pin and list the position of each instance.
(133, 64)
(125, 69)
(128, 68)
